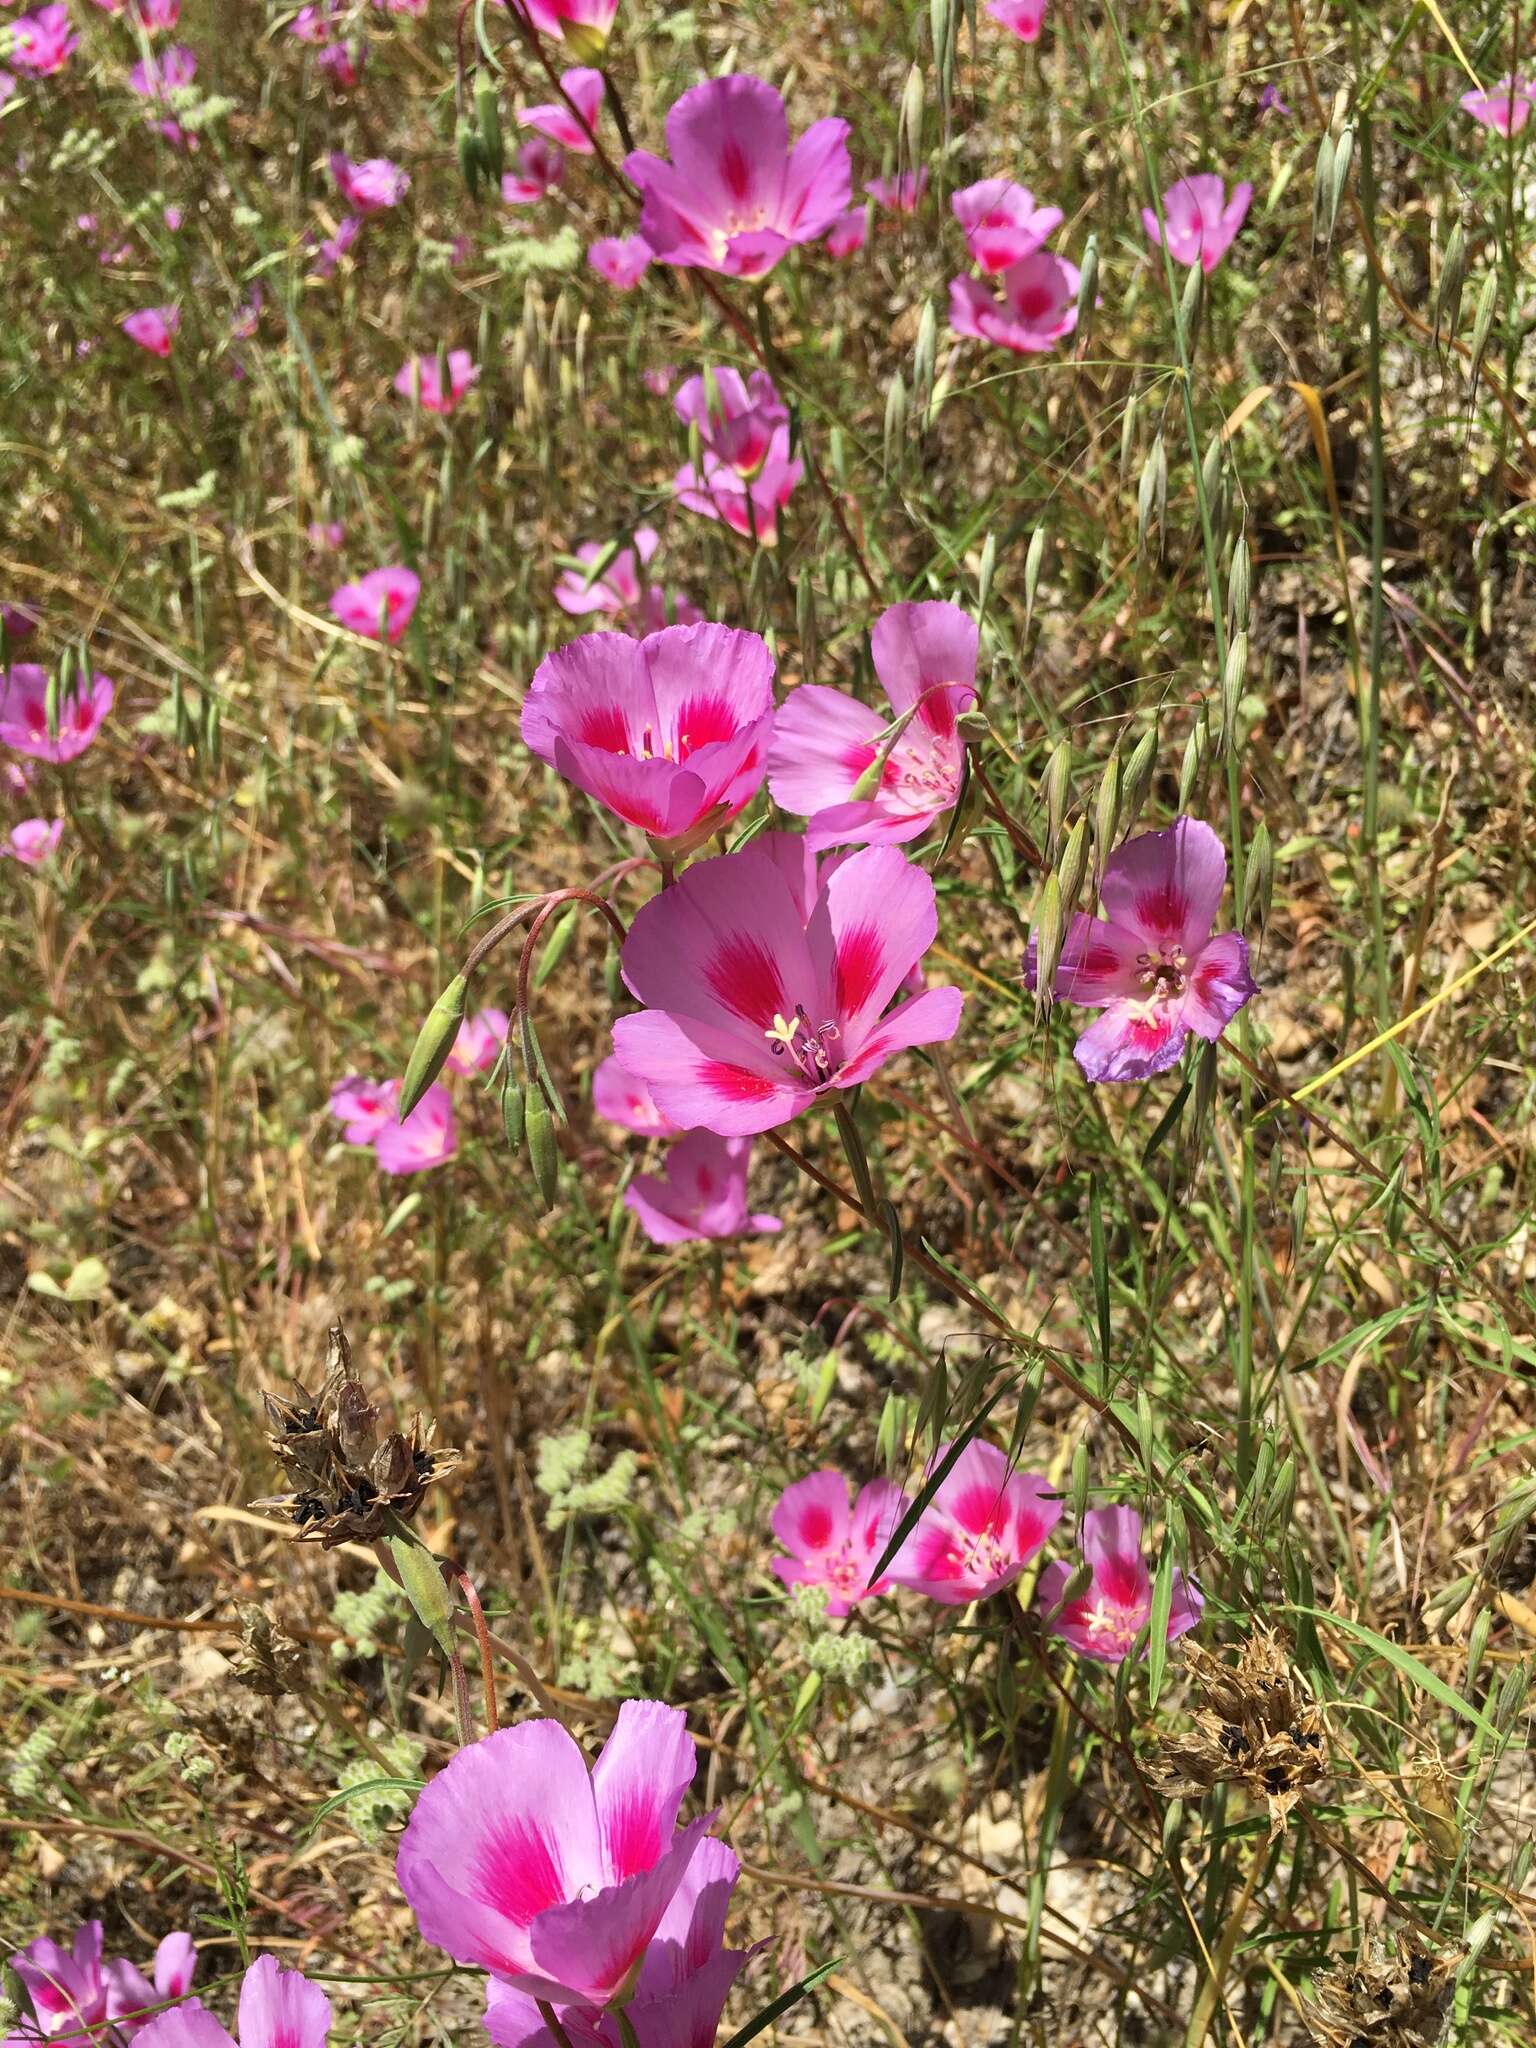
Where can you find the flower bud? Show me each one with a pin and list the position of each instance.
(1140, 769)
(543, 1152)
(1050, 931)
(986, 572)
(433, 1044)
(1056, 789)
(1032, 562)
(513, 1112)
(471, 157)
(1074, 865)
(488, 121)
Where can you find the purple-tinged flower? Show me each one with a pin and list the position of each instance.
(767, 979)
(278, 2009)
(343, 63)
(1022, 18)
(34, 840)
(826, 745)
(1003, 223)
(153, 327)
(1038, 306)
(364, 1107)
(428, 1137)
(378, 605)
(701, 1192)
(831, 1546)
(736, 420)
(520, 1861)
(1104, 1622)
(18, 621)
(1270, 101)
(1505, 106)
(24, 714)
(582, 25)
(478, 1045)
(717, 490)
(421, 379)
(158, 14)
(160, 74)
(371, 186)
(540, 171)
(313, 24)
(1151, 963)
(671, 731)
(617, 591)
(331, 252)
(982, 1527)
(901, 194)
(77, 1998)
(848, 233)
(735, 196)
(618, 1098)
(1199, 221)
(622, 259)
(42, 43)
(573, 126)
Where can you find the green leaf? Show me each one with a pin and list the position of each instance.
(1162, 1607)
(341, 1798)
(781, 2004)
(931, 1485)
(1404, 1664)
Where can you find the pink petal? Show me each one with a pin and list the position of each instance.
(699, 1075)
(811, 1516)
(877, 918)
(1166, 886)
(917, 649)
(822, 743)
(932, 1018)
(1219, 985)
(1099, 963)
(729, 140)
(590, 1944)
(1131, 1042)
(186, 2026)
(818, 181)
(281, 2008)
(175, 1965)
(638, 1784)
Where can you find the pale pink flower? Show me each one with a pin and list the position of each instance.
(153, 328)
(901, 194)
(701, 1192)
(427, 1138)
(421, 379)
(1022, 18)
(171, 215)
(618, 592)
(478, 1045)
(77, 1999)
(831, 1546)
(540, 171)
(24, 714)
(1505, 106)
(582, 25)
(573, 130)
(748, 506)
(826, 744)
(34, 840)
(1003, 222)
(1151, 963)
(519, 1860)
(984, 1524)
(658, 378)
(736, 420)
(332, 251)
(157, 76)
(670, 732)
(622, 259)
(364, 1107)
(1199, 220)
(371, 186)
(768, 979)
(1105, 1621)
(378, 605)
(1038, 305)
(848, 233)
(7, 86)
(42, 43)
(278, 2009)
(735, 196)
(325, 534)
(618, 1098)
(343, 63)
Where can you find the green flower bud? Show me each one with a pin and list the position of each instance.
(433, 1044)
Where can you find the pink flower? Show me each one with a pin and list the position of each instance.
(17, 621)
(671, 731)
(1199, 219)
(718, 491)
(34, 840)
(824, 743)
(414, 7)
(1023, 18)
(153, 328)
(831, 1547)
(343, 63)
(1271, 102)
(900, 194)
(658, 379)
(981, 1528)
(369, 187)
(76, 1997)
(767, 979)
(278, 2009)
(42, 43)
(736, 420)
(735, 196)
(1153, 967)
(378, 605)
(478, 1045)
(7, 86)
(847, 234)
(1106, 1620)
(572, 130)
(24, 714)
(324, 534)
(540, 171)
(619, 1098)
(1505, 107)
(157, 77)
(331, 252)
(520, 1861)
(618, 591)
(158, 14)
(701, 1192)
(364, 1108)
(427, 1138)
(622, 259)
(1039, 305)
(582, 25)
(421, 379)
(1003, 223)
(312, 24)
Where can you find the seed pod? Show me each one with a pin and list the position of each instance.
(513, 1111)
(1205, 1093)
(826, 1380)
(1338, 176)
(1193, 762)
(1233, 678)
(911, 128)
(488, 121)
(1106, 814)
(895, 423)
(557, 945)
(1079, 1487)
(583, 336)
(1074, 865)
(1032, 562)
(52, 695)
(543, 1152)
(1139, 772)
(1282, 1499)
(1056, 790)
(1322, 182)
(1189, 306)
(1511, 1697)
(434, 1042)
(890, 1437)
(986, 572)
(1259, 880)
(1088, 288)
(837, 455)
(1127, 437)
(1212, 480)
(471, 158)
(934, 1406)
(1050, 930)
(1146, 1438)
(423, 1582)
(923, 353)
(1152, 495)
(1238, 580)
(1173, 1822)
(1482, 326)
(1477, 1644)
(1453, 275)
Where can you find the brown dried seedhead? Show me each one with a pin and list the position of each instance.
(1396, 1994)
(1255, 1727)
(270, 1663)
(346, 1480)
